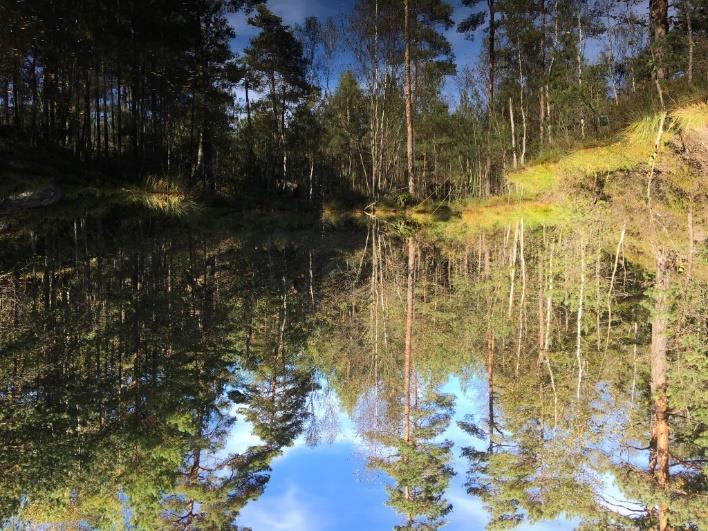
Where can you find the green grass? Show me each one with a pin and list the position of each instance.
(481, 216)
(632, 147)
(543, 193)
(161, 196)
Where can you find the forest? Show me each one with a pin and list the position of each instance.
(409, 264)
(370, 104)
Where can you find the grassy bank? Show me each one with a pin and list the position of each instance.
(608, 176)
(560, 190)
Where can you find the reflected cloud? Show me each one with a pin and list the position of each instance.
(291, 511)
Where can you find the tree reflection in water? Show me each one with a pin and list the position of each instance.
(130, 349)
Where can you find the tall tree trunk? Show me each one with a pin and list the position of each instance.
(106, 89)
(579, 63)
(113, 113)
(35, 96)
(97, 104)
(119, 121)
(581, 298)
(408, 96)
(522, 300)
(659, 27)
(512, 271)
(547, 335)
(408, 346)
(408, 351)
(541, 338)
(490, 385)
(521, 105)
(541, 92)
(659, 444)
(87, 117)
(513, 134)
(689, 36)
(491, 64)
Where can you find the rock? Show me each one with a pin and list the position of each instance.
(34, 199)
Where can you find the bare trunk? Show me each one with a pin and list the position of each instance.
(547, 335)
(491, 64)
(579, 62)
(659, 27)
(512, 272)
(408, 347)
(408, 96)
(521, 106)
(612, 283)
(490, 385)
(513, 134)
(408, 366)
(541, 343)
(659, 444)
(580, 320)
(312, 174)
(541, 92)
(522, 302)
(689, 36)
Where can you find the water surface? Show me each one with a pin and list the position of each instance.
(157, 375)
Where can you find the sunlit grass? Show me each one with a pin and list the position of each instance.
(478, 216)
(691, 116)
(163, 196)
(632, 147)
(543, 192)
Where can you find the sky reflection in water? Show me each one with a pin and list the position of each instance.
(152, 341)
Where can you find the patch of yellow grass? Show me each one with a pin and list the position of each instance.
(488, 215)
(163, 196)
(691, 116)
(633, 146)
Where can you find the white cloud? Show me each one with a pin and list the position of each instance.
(291, 511)
(241, 434)
(468, 512)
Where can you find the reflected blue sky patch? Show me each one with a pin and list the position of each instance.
(329, 487)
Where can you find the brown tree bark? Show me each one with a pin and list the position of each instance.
(490, 386)
(408, 346)
(408, 366)
(491, 64)
(659, 27)
(408, 96)
(541, 93)
(659, 444)
(689, 37)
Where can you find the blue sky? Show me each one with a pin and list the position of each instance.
(466, 52)
(329, 488)
(295, 11)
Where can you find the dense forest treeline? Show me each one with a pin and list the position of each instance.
(154, 88)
